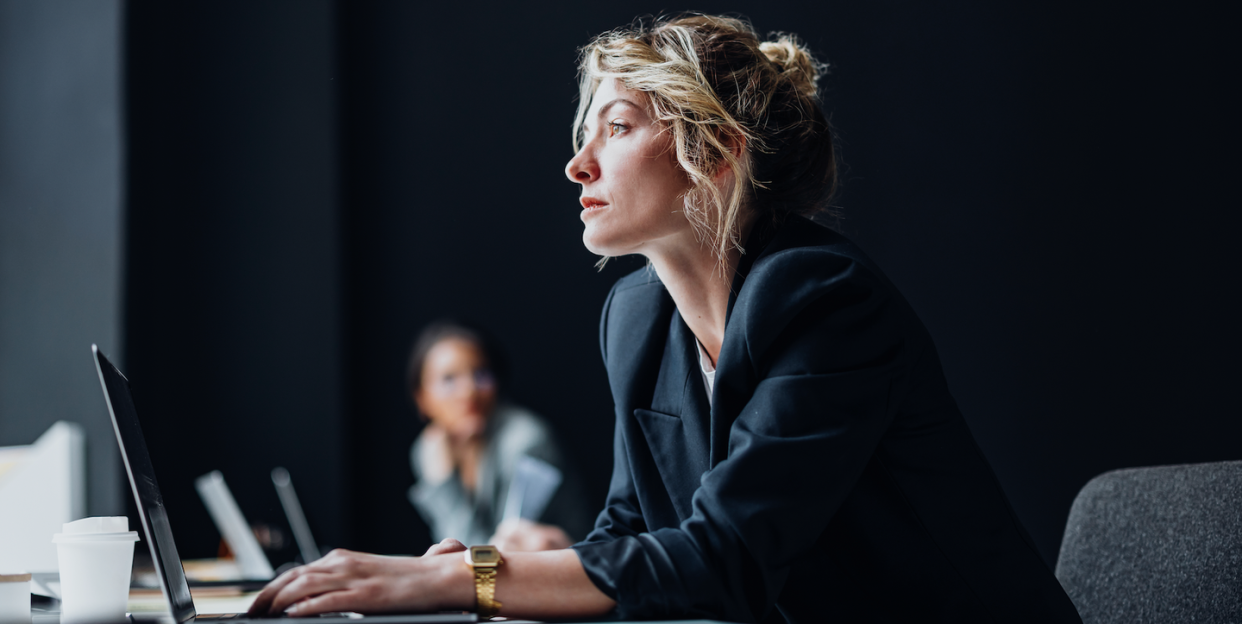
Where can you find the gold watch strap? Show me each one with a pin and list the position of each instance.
(485, 591)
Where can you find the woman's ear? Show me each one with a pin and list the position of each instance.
(735, 143)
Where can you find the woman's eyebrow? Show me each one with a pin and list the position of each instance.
(603, 110)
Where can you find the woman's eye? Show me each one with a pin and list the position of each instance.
(616, 127)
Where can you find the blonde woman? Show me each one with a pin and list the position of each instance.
(786, 447)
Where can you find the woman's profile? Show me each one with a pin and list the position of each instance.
(786, 446)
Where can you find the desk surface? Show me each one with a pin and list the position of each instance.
(226, 600)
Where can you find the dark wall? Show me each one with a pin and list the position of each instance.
(233, 296)
(1045, 183)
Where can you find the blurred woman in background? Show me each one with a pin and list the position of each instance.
(468, 454)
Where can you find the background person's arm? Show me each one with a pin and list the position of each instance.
(438, 493)
(541, 585)
(520, 535)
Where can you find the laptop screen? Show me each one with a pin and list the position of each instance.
(146, 492)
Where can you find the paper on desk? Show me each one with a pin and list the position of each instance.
(534, 483)
(206, 600)
(45, 584)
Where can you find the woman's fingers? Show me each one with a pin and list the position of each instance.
(263, 601)
(505, 531)
(350, 581)
(553, 538)
(447, 546)
(527, 536)
(306, 586)
(435, 460)
(344, 600)
(296, 584)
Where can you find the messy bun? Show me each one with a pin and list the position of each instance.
(799, 159)
(795, 64)
(714, 84)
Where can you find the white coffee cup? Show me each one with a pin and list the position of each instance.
(14, 598)
(96, 556)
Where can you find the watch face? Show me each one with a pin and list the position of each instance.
(484, 555)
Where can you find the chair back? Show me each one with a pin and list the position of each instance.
(1155, 545)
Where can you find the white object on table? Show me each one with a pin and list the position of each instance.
(42, 486)
(534, 482)
(15, 598)
(96, 557)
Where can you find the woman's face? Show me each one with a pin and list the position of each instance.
(632, 186)
(458, 390)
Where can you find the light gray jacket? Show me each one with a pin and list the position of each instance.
(512, 432)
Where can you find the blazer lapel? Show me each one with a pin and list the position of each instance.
(695, 410)
(676, 425)
(674, 370)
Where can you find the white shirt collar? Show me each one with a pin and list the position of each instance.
(708, 369)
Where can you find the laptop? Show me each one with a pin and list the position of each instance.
(293, 511)
(156, 528)
(252, 563)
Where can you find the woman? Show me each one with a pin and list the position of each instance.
(786, 447)
(467, 456)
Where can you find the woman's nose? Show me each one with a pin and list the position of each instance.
(582, 168)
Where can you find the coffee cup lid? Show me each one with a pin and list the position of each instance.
(15, 578)
(97, 524)
(97, 529)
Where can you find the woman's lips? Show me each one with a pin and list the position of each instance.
(590, 203)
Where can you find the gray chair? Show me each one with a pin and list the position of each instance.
(1156, 545)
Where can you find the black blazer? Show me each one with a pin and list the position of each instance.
(833, 478)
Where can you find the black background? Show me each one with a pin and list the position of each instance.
(310, 182)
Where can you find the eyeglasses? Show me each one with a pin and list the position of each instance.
(482, 378)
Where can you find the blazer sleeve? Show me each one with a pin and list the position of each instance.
(621, 516)
(823, 352)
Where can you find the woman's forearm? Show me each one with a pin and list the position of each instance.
(535, 585)
(549, 584)
(543, 585)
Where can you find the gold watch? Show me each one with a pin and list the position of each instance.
(485, 560)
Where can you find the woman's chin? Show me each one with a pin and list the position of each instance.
(595, 249)
(469, 428)
(588, 241)
(601, 245)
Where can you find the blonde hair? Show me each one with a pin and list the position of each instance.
(716, 87)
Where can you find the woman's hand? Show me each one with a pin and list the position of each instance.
(526, 536)
(546, 585)
(449, 545)
(435, 458)
(352, 581)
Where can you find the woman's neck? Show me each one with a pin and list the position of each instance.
(700, 286)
